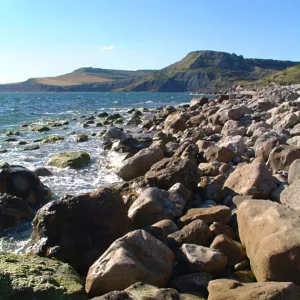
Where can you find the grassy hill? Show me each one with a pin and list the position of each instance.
(286, 77)
(198, 71)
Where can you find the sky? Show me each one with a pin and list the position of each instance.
(40, 38)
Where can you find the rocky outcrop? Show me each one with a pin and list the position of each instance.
(78, 229)
(135, 257)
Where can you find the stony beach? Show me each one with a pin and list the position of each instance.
(204, 205)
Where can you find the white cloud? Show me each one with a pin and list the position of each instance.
(108, 48)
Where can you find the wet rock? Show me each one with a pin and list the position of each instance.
(32, 277)
(13, 210)
(226, 289)
(202, 259)
(42, 171)
(208, 215)
(137, 256)
(23, 183)
(75, 160)
(198, 101)
(51, 139)
(42, 128)
(78, 229)
(114, 133)
(81, 137)
(169, 171)
(140, 163)
(154, 205)
(131, 145)
(233, 250)
(251, 179)
(31, 147)
(270, 233)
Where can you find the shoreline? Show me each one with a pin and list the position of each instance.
(187, 172)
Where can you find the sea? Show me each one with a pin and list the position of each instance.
(20, 112)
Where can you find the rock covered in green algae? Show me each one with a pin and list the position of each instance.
(74, 160)
(29, 277)
(51, 139)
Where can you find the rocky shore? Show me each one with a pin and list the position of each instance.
(208, 206)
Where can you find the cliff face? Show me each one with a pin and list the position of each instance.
(199, 71)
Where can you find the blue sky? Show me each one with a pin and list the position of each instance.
(48, 38)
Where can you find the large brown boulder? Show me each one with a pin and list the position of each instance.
(225, 114)
(78, 229)
(251, 179)
(270, 233)
(140, 163)
(169, 171)
(135, 257)
(282, 156)
(154, 205)
(23, 183)
(221, 154)
(176, 122)
(226, 289)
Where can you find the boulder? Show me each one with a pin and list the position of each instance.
(13, 210)
(234, 251)
(75, 160)
(114, 133)
(282, 156)
(131, 145)
(208, 215)
(226, 289)
(154, 205)
(32, 277)
(294, 171)
(170, 171)
(266, 142)
(137, 256)
(51, 139)
(218, 228)
(202, 259)
(162, 229)
(251, 179)
(176, 122)
(270, 233)
(198, 101)
(23, 183)
(78, 229)
(221, 154)
(196, 232)
(42, 171)
(233, 128)
(290, 195)
(81, 137)
(234, 143)
(140, 163)
(294, 141)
